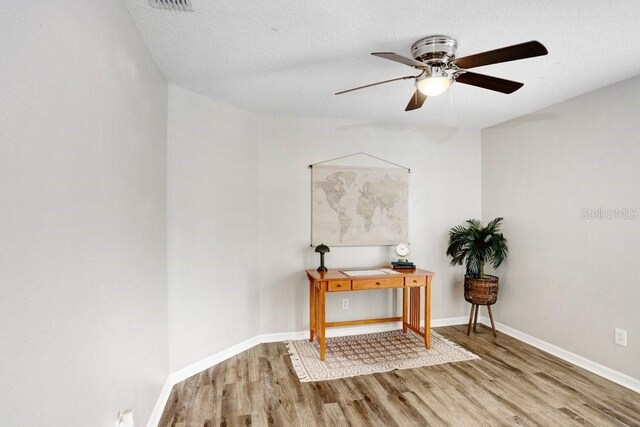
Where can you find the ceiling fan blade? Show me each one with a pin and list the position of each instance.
(510, 53)
(489, 82)
(399, 58)
(375, 84)
(416, 101)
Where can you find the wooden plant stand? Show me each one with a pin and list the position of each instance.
(480, 291)
(473, 318)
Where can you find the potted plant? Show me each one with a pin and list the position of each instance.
(475, 245)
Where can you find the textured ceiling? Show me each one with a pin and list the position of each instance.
(289, 57)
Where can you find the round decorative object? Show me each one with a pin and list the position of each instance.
(403, 250)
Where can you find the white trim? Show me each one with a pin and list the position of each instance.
(356, 330)
(284, 336)
(193, 369)
(223, 355)
(213, 360)
(154, 419)
(449, 321)
(591, 366)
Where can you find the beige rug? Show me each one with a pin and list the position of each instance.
(367, 354)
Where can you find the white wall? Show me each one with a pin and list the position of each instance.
(212, 226)
(239, 218)
(444, 189)
(82, 232)
(570, 281)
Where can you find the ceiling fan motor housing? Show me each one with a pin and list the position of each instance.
(435, 50)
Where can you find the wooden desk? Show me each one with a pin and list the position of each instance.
(410, 281)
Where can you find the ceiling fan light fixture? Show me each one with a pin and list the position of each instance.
(434, 57)
(433, 84)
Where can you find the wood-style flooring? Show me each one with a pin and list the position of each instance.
(513, 384)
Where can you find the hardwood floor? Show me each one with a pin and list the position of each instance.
(513, 384)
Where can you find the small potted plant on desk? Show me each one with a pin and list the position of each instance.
(475, 245)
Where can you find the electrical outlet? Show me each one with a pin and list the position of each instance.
(345, 303)
(621, 337)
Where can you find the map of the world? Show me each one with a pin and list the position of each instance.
(359, 206)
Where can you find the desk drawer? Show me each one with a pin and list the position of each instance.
(339, 285)
(415, 281)
(395, 282)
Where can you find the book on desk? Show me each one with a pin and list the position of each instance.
(399, 265)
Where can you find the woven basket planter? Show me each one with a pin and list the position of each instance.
(481, 291)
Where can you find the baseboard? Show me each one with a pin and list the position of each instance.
(214, 359)
(284, 336)
(194, 369)
(591, 366)
(356, 330)
(154, 419)
(223, 355)
(449, 321)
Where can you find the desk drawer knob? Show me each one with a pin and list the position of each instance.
(378, 283)
(415, 281)
(339, 286)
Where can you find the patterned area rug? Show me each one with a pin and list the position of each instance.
(367, 354)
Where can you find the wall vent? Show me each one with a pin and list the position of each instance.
(184, 5)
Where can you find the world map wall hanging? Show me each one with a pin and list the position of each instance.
(358, 206)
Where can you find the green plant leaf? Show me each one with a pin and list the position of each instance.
(476, 245)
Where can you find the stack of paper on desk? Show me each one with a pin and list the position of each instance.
(360, 273)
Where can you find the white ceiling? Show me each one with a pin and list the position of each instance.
(289, 57)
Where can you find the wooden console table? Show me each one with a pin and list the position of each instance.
(410, 281)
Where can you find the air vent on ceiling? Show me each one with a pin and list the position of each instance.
(172, 4)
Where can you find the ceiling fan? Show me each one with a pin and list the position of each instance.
(435, 58)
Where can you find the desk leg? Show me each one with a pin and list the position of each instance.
(322, 325)
(312, 309)
(427, 313)
(404, 310)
